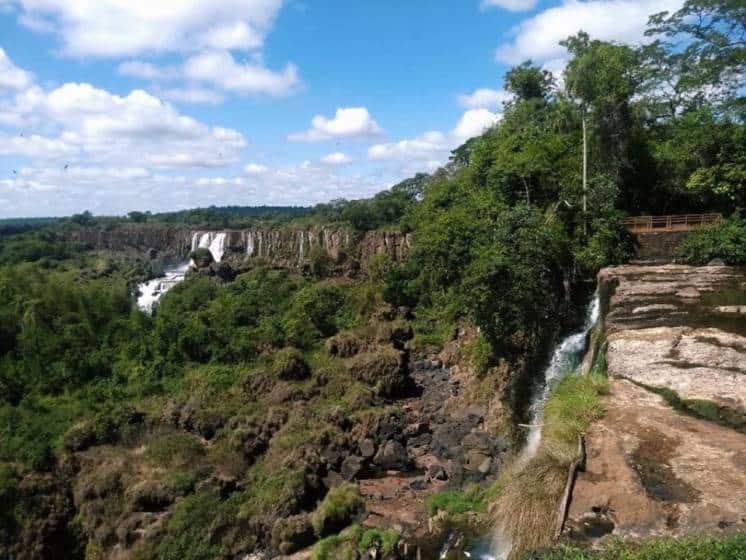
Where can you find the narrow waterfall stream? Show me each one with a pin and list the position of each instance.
(565, 359)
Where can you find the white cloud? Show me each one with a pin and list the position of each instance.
(12, 77)
(115, 28)
(193, 95)
(433, 147)
(346, 123)
(424, 147)
(144, 70)
(474, 122)
(336, 158)
(255, 169)
(36, 146)
(538, 37)
(485, 98)
(510, 5)
(221, 69)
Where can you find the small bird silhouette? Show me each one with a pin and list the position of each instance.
(66, 166)
(15, 172)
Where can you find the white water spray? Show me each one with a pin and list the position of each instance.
(152, 291)
(214, 241)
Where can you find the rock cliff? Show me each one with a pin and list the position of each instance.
(669, 456)
(283, 246)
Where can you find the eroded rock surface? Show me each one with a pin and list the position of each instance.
(669, 456)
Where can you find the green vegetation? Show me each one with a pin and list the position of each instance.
(455, 502)
(340, 506)
(725, 241)
(356, 540)
(216, 407)
(684, 548)
(528, 494)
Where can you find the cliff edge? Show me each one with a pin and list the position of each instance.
(669, 456)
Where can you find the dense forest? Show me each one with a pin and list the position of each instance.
(104, 410)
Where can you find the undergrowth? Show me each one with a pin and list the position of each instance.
(528, 493)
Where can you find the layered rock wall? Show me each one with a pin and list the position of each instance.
(283, 246)
(669, 455)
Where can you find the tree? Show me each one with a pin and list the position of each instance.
(527, 81)
(706, 51)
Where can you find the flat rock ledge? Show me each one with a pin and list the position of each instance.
(669, 456)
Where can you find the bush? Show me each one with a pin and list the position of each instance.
(725, 240)
(480, 354)
(384, 369)
(174, 448)
(290, 365)
(355, 542)
(609, 243)
(455, 502)
(684, 548)
(202, 257)
(338, 509)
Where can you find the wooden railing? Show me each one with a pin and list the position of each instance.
(683, 222)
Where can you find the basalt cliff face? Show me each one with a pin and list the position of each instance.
(284, 246)
(669, 456)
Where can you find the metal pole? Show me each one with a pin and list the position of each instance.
(585, 176)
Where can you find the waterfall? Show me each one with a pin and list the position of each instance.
(150, 293)
(566, 358)
(214, 241)
(302, 246)
(250, 243)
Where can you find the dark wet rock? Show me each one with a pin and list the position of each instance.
(416, 429)
(367, 448)
(420, 441)
(351, 467)
(437, 472)
(392, 455)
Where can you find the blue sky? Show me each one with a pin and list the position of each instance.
(119, 105)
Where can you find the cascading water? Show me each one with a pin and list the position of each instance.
(214, 241)
(565, 360)
(150, 292)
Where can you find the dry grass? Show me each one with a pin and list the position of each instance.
(528, 493)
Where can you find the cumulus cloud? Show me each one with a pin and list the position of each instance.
(112, 28)
(347, 123)
(538, 37)
(12, 77)
(36, 146)
(424, 147)
(144, 70)
(220, 69)
(484, 98)
(474, 122)
(510, 5)
(255, 169)
(433, 147)
(193, 95)
(336, 158)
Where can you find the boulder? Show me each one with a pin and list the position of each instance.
(392, 456)
(386, 369)
(351, 467)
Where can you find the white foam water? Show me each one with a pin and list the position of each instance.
(150, 292)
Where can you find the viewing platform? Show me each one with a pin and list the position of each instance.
(681, 222)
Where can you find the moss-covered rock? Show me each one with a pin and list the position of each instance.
(293, 533)
(386, 369)
(202, 257)
(290, 365)
(339, 508)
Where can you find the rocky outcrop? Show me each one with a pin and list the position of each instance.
(282, 246)
(669, 456)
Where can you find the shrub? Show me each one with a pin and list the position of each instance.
(684, 548)
(174, 448)
(385, 369)
(290, 365)
(338, 509)
(202, 257)
(455, 502)
(609, 243)
(320, 263)
(479, 352)
(725, 240)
